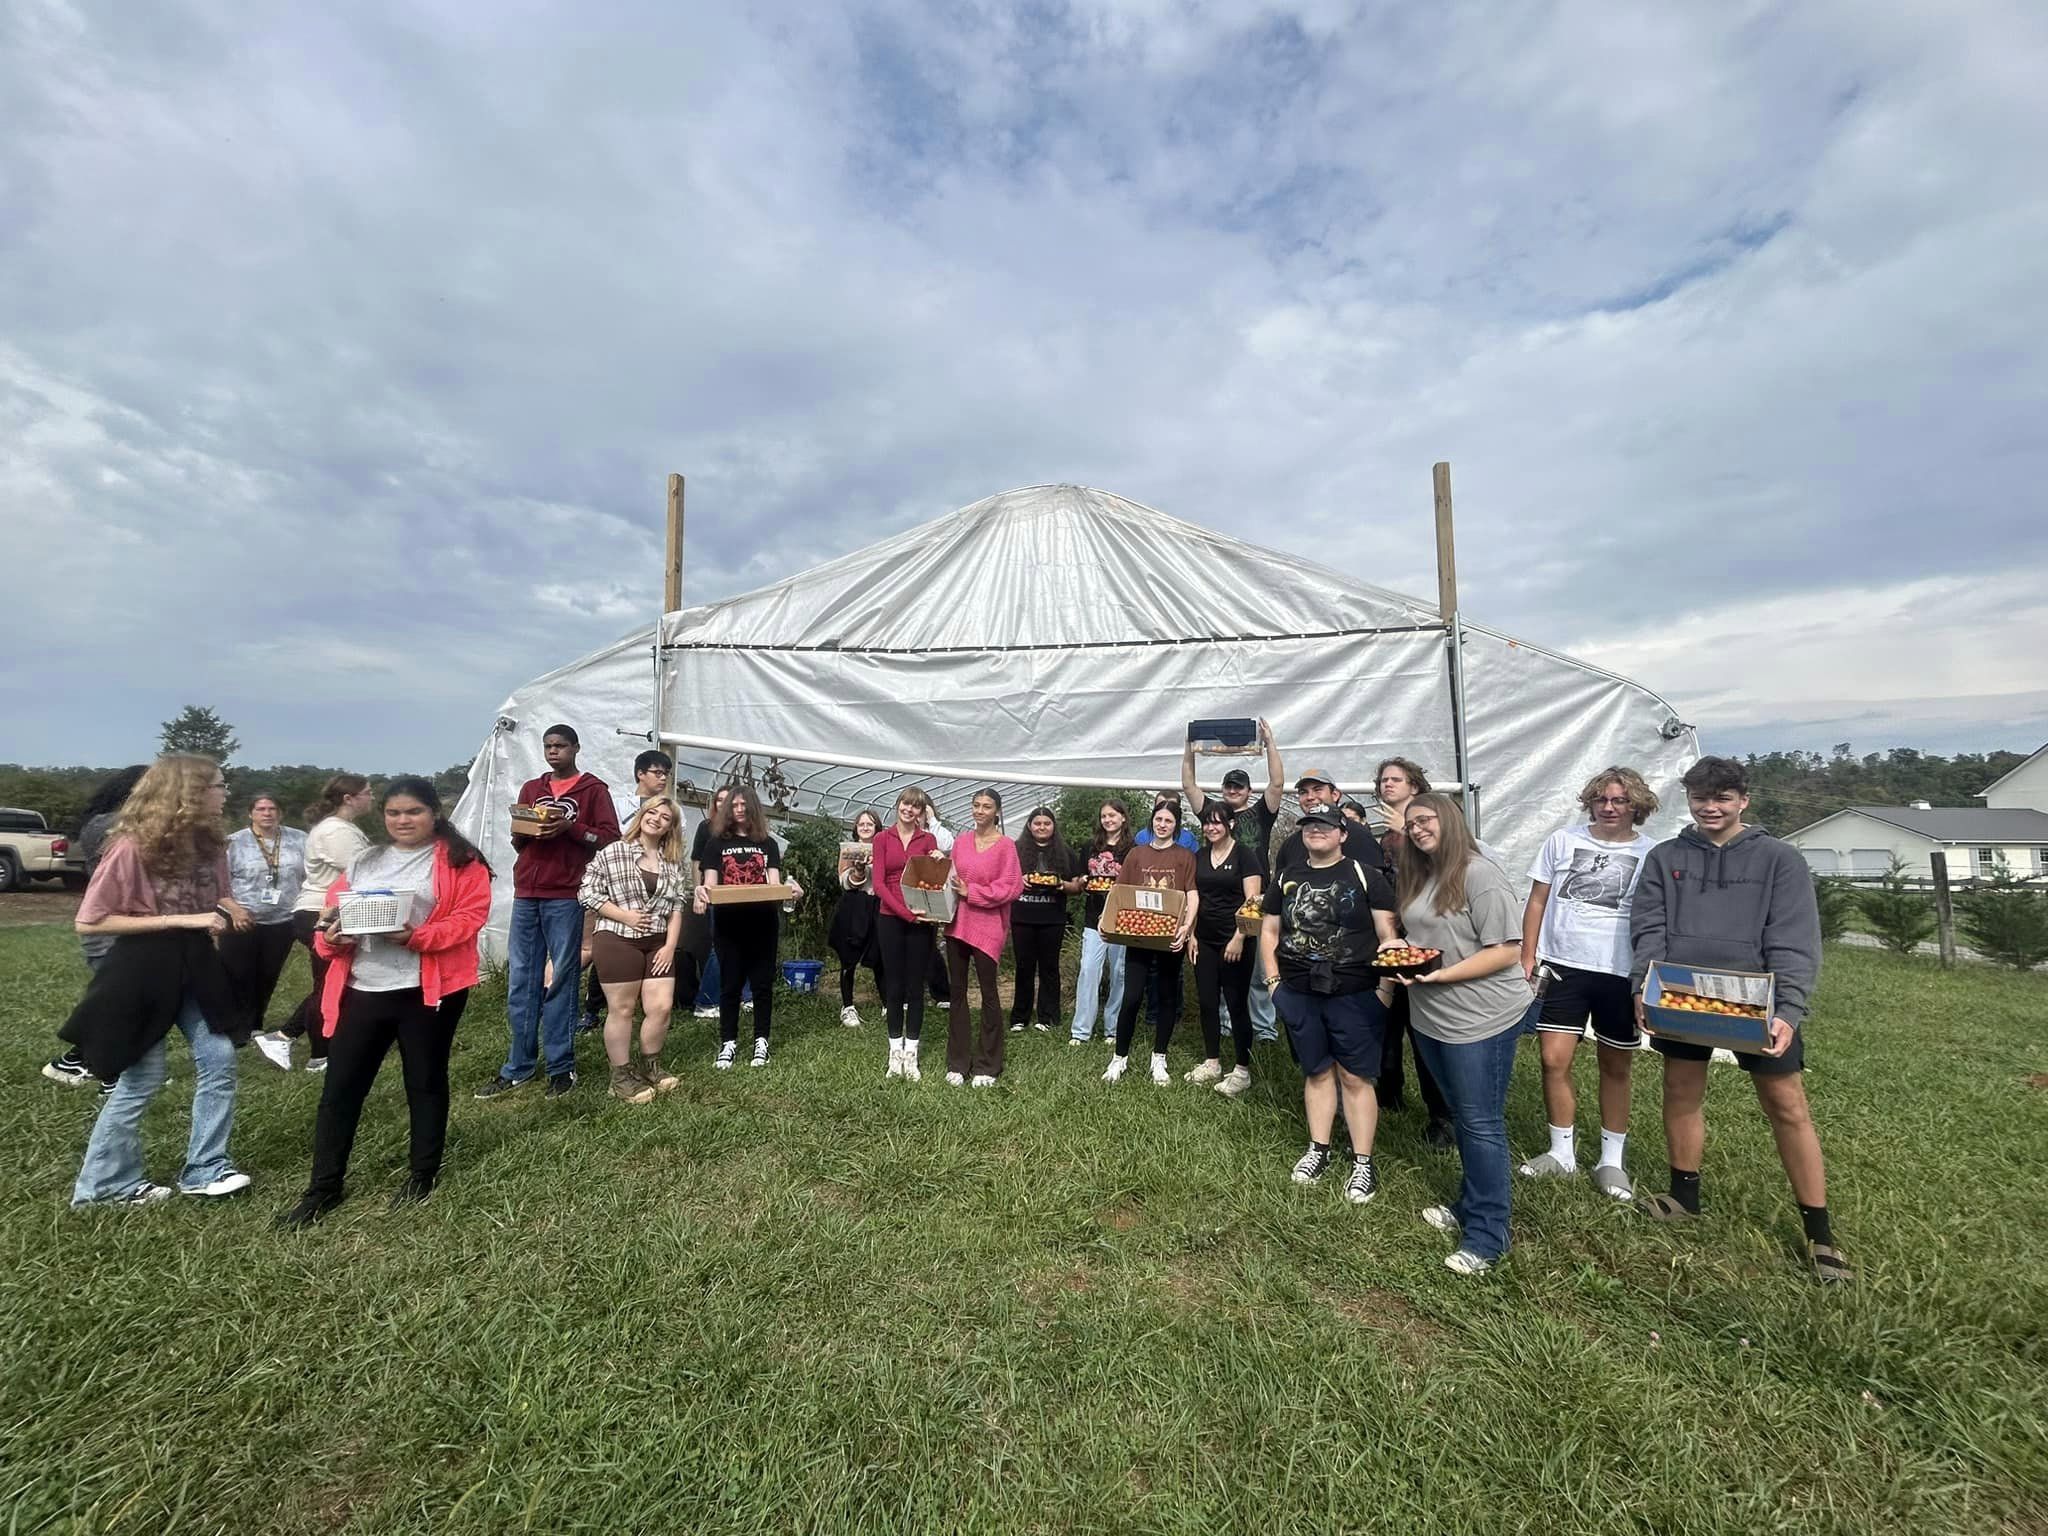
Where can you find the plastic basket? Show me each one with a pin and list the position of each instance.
(802, 975)
(364, 912)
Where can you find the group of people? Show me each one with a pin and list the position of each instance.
(188, 927)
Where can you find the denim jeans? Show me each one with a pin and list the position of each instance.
(708, 989)
(1097, 955)
(544, 928)
(1264, 1025)
(113, 1157)
(1474, 1079)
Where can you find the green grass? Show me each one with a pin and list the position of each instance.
(806, 1299)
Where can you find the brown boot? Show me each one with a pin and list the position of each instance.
(628, 1087)
(656, 1076)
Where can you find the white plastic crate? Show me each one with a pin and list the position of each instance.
(374, 911)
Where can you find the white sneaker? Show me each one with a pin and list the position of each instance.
(850, 1017)
(955, 1080)
(1440, 1217)
(1161, 1078)
(1207, 1072)
(1072, 1041)
(705, 1013)
(746, 1005)
(910, 1072)
(1235, 1081)
(1115, 1069)
(895, 1059)
(1466, 1262)
(233, 1182)
(983, 1080)
(760, 1053)
(276, 1048)
(726, 1053)
(1017, 1028)
(1311, 1165)
(1043, 1029)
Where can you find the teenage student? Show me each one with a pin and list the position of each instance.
(1103, 864)
(987, 877)
(1252, 817)
(1575, 933)
(163, 894)
(1466, 1015)
(651, 770)
(94, 823)
(333, 840)
(740, 852)
(1161, 863)
(708, 979)
(1038, 922)
(853, 937)
(1723, 893)
(636, 890)
(1396, 783)
(906, 943)
(406, 989)
(1326, 918)
(544, 964)
(267, 864)
(1227, 876)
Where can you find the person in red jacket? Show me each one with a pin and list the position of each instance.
(547, 917)
(906, 943)
(405, 988)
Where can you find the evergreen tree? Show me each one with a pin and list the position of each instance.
(2006, 921)
(1898, 918)
(200, 730)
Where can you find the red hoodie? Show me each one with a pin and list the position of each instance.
(551, 868)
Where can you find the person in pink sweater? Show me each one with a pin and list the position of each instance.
(988, 878)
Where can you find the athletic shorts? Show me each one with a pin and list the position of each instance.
(1574, 996)
(619, 959)
(1755, 1062)
(1347, 1028)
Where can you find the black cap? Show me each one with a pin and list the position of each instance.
(1322, 816)
(1237, 778)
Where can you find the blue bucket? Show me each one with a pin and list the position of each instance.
(802, 975)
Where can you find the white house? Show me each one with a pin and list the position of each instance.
(1864, 839)
(2024, 789)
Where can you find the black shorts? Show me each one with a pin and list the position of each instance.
(1347, 1028)
(1574, 996)
(1755, 1062)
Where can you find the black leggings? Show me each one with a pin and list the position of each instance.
(253, 960)
(370, 1023)
(1390, 1083)
(1220, 983)
(1144, 968)
(746, 957)
(906, 950)
(847, 970)
(1038, 971)
(305, 1019)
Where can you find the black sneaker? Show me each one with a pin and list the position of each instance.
(1441, 1135)
(310, 1209)
(1364, 1182)
(560, 1084)
(587, 1023)
(500, 1085)
(413, 1191)
(69, 1069)
(1314, 1162)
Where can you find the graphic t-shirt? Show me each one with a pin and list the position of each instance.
(1041, 903)
(1220, 891)
(738, 859)
(1252, 827)
(1101, 864)
(1592, 883)
(1327, 936)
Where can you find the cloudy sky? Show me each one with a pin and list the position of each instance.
(343, 350)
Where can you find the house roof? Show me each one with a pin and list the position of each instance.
(1977, 825)
(2008, 774)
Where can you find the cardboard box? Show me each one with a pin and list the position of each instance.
(740, 895)
(529, 819)
(1726, 1031)
(1225, 738)
(1141, 898)
(935, 906)
(1250, 927)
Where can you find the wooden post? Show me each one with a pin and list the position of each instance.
(1446, 547)
(1944, 909)
(672, 579)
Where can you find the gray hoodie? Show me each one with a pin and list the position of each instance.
(1747, 906)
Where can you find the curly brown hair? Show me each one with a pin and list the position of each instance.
(1642, 800)
(168, 818)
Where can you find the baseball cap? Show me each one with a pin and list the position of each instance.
(1237, 778)
(1321, 816)
(1315, 776)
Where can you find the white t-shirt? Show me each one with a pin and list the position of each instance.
(1585, 924)
(382, 964)
(939, 833)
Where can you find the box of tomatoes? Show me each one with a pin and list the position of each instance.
(1142, 916)
(1713, 1007)
(927, 888)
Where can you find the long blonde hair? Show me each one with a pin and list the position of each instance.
(167, 817)
(672, 842)
(1416, 872)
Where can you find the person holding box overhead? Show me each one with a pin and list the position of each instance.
(1725, 894)
(1252, 817)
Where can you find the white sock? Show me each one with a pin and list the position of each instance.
(1611, 1143)
(1561, 1137)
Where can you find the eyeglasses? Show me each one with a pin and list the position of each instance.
(1612, 800)
(218, 784)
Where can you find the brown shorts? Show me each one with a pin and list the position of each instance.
(619, 959)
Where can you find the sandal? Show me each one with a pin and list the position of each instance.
(1829, 1267)
(1665, 1208)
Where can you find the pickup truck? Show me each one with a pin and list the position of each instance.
(29, 850)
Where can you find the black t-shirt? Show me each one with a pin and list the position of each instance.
(1219, 890)
(1041, 903)
(1100, 864)
(740, 860)
(1327, 938)
(1359, 844)
(697, 841)
(1253, 827)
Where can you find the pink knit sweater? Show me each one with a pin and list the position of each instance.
(994, 880)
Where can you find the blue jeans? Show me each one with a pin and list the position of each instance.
(1474, 1079)
(1096, 957)
(113, 1157)
(544, 928)
(707, 990)
(1264, 1026)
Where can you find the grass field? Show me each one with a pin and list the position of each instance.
(807, 1299)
